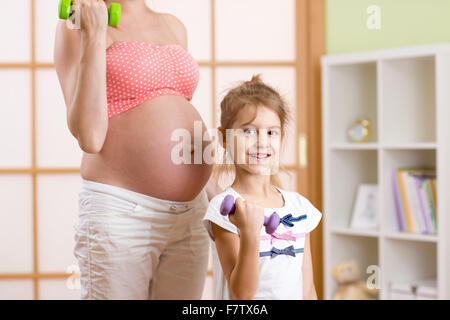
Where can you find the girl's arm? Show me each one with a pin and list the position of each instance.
(239, 257)
(239, 254)
(309, 291)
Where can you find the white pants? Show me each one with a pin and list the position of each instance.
(133, 246)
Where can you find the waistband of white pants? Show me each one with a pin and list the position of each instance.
(143, 199)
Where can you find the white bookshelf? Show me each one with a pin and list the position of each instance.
(406, 94)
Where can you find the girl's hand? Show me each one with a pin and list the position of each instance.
(248, 217)
(93, 17)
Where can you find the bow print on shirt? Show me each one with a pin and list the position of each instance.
(288, 220)
(288, 235)
(275, 252)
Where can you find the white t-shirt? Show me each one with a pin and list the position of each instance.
(280, 275)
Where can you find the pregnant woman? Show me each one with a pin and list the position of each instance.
(127, 88)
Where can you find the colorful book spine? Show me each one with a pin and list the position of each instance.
(433, 193)
(413, 202)
(433, 181)
(398, 202)
(419, 181)
(427, 206)
(415, 199)
(433, 209)
(404, 201)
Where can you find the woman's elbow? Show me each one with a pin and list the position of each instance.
(90, 144)
(90, 148)
(90, 141)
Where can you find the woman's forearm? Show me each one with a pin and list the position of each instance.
(88, 115)
(245, 275)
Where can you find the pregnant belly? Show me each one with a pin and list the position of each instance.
(143, 151)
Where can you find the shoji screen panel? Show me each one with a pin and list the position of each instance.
(15, 118)
(57, 214)
(56, 147)
(46, 14)
(16, 230)
(196, 16)
(16, 46)
(58, 159)
(39, 163)
(16, 157)
(255, 30)
(58, 289)
(16, 289)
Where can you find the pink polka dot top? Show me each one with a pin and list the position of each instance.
(137, 71)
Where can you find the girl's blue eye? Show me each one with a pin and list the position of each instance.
(253, 131)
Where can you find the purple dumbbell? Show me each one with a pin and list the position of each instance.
(228, 206)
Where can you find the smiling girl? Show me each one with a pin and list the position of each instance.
(249, 263)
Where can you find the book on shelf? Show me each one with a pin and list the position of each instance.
(415, 199)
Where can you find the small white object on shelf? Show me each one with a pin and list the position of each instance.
(401, 291)
(427, 289)
(365, 208)
(423, 289)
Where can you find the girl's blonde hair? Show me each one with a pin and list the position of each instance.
(250, 93)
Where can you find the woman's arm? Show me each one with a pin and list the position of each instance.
(309, 291)
(80, 63)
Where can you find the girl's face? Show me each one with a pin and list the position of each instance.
(257, 143)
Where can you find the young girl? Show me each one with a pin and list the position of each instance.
(248, 262)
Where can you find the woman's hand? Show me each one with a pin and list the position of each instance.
(93, 17)
(248, 217)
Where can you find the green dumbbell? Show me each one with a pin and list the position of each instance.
(114, 12)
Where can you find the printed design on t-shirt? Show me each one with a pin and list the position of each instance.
(288, 220)
(275, 252)
(288, 235)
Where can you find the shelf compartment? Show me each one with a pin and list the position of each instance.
(353, 94)
(351, 247)
(408, 100)
(408, 261)
(399, 159)
(343, 184)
